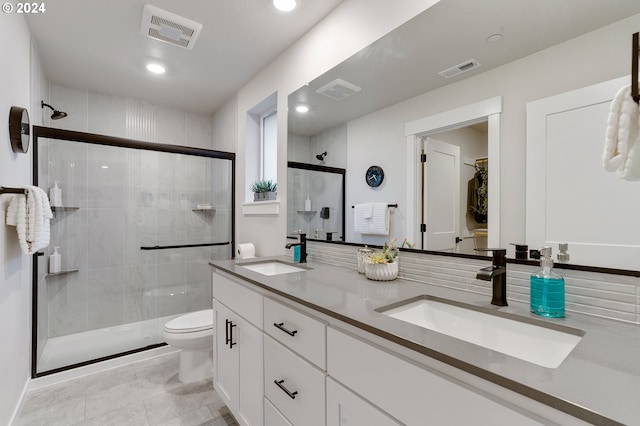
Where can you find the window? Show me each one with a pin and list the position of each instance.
(269, 146)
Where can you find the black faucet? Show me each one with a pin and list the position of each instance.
(497, 274)
(303, 247)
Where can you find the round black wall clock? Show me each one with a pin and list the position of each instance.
(19, 130)
(374, 176)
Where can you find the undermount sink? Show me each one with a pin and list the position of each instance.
(546, 345)
(273, 267)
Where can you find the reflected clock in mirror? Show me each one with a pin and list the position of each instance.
(19, 130)
(374, 176)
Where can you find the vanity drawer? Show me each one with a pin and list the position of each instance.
(297, 331)
(237, 297)
(294, 386)
(273, 417)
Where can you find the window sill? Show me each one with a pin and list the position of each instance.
(261, 208)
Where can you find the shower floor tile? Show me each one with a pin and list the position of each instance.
(146, 393)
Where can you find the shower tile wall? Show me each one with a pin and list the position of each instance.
(117, 282)
(127, 199)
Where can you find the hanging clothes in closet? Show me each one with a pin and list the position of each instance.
(477, 192)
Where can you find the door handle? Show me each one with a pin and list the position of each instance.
(229, 333)
(281, 327)
(279, 383)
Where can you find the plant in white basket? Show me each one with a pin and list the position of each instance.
(384, 266)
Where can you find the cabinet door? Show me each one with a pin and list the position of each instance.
(293, 385)
(225, 357)
(250, 348)
(345, 408)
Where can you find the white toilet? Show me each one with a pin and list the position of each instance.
(193, 334)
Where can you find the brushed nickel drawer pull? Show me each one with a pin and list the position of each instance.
(289, 332)
(292, 395)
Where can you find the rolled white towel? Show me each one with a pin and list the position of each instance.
(30, 214)
(622, 146)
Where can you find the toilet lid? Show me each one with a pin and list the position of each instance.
(194, 321)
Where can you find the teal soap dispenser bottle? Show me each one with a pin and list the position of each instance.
(547, 288)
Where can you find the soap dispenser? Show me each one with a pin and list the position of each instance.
(55, 261)
(55, 196)
(547, 288)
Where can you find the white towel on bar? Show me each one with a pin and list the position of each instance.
(361, 223)
(380, 219)
(622, 145)
(30, 214)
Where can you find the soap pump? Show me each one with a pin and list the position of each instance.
(55, 261)
(55, 195)
(547, 288)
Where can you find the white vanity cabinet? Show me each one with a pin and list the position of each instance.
(294, 364)
(238, 349)
(344, 408)
(410, 393)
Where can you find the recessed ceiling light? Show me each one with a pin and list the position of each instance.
(302, 108)
(285, 5)
(493, 38)
(156, 68)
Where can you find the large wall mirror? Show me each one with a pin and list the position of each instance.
(455, 54)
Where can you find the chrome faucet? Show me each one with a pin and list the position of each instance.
(497, 274)
(303, 247)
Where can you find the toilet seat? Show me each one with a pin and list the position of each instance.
(191, 322)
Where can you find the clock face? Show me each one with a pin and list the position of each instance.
(374, 176)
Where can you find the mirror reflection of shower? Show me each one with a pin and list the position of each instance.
(320, 157)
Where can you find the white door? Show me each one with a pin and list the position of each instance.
(442, 195)
(570, 197)
(225, 356)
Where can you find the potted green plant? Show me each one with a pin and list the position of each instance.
(383, 266)
(264, 190)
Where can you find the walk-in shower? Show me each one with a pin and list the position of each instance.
(138, 225)
(322, 189)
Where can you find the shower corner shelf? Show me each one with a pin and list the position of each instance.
(63, 208)
(55, 209)
(204, 210)
(67, 271)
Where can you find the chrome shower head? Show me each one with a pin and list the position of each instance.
(57, 115)
(320, 157)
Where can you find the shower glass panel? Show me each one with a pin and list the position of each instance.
(137, 227)
(325, 188)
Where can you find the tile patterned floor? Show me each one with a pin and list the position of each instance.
(146, 393)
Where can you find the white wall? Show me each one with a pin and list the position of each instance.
(15, 170)
(350, 27)
(127, 117)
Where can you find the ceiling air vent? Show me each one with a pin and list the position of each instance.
(169, 27)
(460, 68)
(338, 89)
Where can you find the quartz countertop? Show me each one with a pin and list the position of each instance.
(599, 381)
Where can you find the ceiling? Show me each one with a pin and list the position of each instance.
(97, 45)
(406, 62)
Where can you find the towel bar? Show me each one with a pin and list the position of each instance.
(389, 205)
(635, 93)
(4, 190)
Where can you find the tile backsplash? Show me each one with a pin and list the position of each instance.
(605, 295)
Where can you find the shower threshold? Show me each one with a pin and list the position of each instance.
(64, 351)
